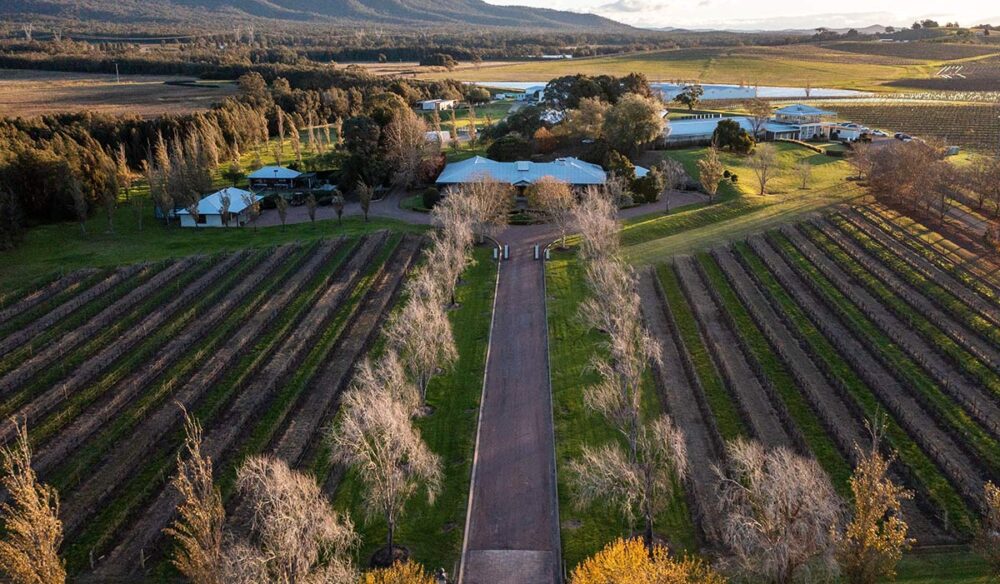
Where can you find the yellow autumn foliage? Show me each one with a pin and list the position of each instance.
(628, 562)
(400, 573)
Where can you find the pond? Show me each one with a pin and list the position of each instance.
(712, 90)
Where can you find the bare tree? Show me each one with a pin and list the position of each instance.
(641, 487)
(365, 193)
(377, 439)
(337, 202)
(80, 206)
(311, 205)
(861, 158)
(674, 176)
(759, 111)
(875, 539)
(447, 259)
(987, 541)
(282, 206)
(779, 512)
(295, 535)
(710, 172)
(486, 202)
(594, 218)
(387, 374)
(406, 146)
(29, 548)
(764, 164)
(804, 170)
(553, 199)
(225, 202)
(198, 528)
(421, 333)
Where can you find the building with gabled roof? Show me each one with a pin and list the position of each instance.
(273, 177)
(241, 205)
(523, 173)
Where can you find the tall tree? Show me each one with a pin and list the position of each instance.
(554, 200)
(759, 111)
(422, 334)
(376, 438)
(710, 172)
(29, 547)
(764, 163)
(633, 123)
(197, 530)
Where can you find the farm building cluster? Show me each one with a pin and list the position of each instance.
(793, 122)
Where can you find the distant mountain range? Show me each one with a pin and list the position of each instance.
(420, 13)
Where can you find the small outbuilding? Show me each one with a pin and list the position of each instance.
(210, 209)
(437, 104)
(273, 177)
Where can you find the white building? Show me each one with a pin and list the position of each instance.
(534, 93)
(437, 104)
(523, 173)
(210, 209)
(273, 177)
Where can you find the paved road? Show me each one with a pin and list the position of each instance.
(513, 523)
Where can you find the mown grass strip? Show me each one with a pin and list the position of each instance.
(778, 375)
(986, 448)
(720, 401)
(434, 532)
(938, 487)
(571, 347)
(646, 228)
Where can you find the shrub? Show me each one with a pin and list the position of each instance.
(510, 148)
(430, 197)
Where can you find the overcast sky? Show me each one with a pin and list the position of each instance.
(775, 14)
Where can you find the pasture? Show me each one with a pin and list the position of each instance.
(28, 93)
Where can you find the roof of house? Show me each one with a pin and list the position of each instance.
(570, 170)
(800, 109)
(212, 204)
(682, 129)
(278, 172)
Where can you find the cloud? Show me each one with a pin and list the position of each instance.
(631, 6)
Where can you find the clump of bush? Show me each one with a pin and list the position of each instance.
(430, 197)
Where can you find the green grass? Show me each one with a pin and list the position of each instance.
(654, 238)
(795, 65)
(495, 112)
(433, 533)
(959, 566)
(811, 427)
(571, 346)
(720, 401)
(907, 371)
(939, 489)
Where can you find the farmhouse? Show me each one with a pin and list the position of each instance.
(437, 104)
(794, 122)
(210, 209)
(523, 173)
(273, 177)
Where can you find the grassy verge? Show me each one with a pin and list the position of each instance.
(815, 434)
(938, 487)
(571, 346)
(434, 532)
(719, 399)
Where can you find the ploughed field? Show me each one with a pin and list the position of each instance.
(257, 344)
(797, 336)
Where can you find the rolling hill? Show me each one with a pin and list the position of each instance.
(421, 13)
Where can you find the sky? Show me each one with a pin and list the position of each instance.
(775, 14)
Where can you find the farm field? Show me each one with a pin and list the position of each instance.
(31, 93)
(789, 65)
(799, 335)
(256, 343)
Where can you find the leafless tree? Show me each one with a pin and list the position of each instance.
(365, 193)
(490, 202)
(282, 206)
(553, 199)
(987, 541)
(861, 158)
(295, 535)
(337, 202)
(311, 205)
(759, 111)
(29, 547)
(764, 164)
(804, 170)
(225, 202)
(376, 437)
(447, 259)
(710, 172)
(387, 374)
(405, 138)
(198, 528)
(674, 176)
(779, 512)
(80, 206)
(641, 487)
(594, 218)
(875, 538)
(421, 332)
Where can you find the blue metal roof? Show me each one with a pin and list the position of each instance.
(570, 170)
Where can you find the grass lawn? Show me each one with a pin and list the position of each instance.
(740, 211)
(434, 532)
(585, 531)
(784, 66)
(492, 112)
(959, 566)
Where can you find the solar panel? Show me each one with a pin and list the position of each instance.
(523, 166)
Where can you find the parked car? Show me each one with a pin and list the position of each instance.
(880, 134)
(903, 137)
